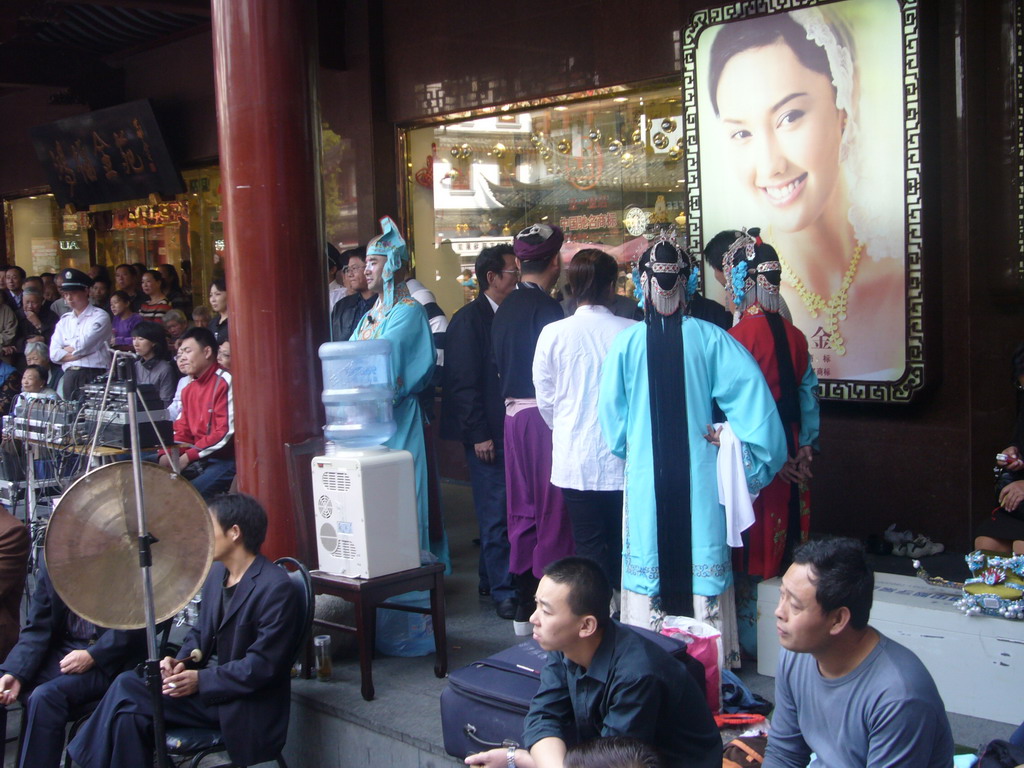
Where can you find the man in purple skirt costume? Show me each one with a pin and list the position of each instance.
(539, 530)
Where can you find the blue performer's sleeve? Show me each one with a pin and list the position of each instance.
(612, 403)
(810, 416)
(739, 388)
(413, 355)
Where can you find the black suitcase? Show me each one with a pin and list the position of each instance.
(484, 705)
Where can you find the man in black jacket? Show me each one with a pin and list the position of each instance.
(61, 662)
(249, 618)
(349, 310)
(473, 412)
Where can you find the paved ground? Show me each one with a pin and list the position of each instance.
(406, 708)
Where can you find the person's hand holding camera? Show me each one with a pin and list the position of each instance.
(1012, 460)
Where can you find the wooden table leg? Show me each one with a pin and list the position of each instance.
(440, 631)
(307, 658)
(366, 631)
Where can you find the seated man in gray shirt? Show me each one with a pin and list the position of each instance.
(843, 690)
(602, 679)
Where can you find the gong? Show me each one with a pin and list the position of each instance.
(92, 547)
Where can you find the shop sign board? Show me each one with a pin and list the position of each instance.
(106, 156)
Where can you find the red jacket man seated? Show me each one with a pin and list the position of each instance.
(207, 420)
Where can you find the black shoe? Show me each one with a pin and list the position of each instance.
(506, 609)
(483, 591)
(525, 610)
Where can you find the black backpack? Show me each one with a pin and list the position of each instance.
(1000, 754)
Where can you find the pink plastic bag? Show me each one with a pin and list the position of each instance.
(704, 643)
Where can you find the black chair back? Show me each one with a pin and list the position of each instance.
(303, 587)
(300, 478)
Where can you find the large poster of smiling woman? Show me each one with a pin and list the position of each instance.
(797, 125)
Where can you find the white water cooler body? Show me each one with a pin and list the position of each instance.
(366, 518)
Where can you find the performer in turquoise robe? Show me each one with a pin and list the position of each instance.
(400, 319)
(703, 364)
(717, 368)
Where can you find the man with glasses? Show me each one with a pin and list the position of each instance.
(473, 413)
(349, 310)
(336, 287)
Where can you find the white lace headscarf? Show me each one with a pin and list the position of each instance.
(825, 29)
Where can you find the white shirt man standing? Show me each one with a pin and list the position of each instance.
(80, 340)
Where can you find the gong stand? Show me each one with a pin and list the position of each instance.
(151, 667)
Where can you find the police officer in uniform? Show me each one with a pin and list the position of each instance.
(81, 340)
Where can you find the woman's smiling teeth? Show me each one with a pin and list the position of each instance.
(783, 194)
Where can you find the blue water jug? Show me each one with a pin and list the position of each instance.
(357, 393)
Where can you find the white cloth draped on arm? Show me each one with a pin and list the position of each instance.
(733, 492)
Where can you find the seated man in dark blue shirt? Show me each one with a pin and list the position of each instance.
(602, 679)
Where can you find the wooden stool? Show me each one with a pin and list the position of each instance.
(367, 595)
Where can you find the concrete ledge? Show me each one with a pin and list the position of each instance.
(322, 733)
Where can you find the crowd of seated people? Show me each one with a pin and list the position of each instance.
(58, 332)
(32, 306)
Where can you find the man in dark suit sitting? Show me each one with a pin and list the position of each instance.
(249, 618)
(61, 662)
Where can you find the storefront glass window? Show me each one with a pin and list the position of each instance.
(186, 232)
(42, 238)
(602, 169)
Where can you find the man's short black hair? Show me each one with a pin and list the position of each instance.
(613, 752)
(333, 256)
(536, 266)
(244, 511)
(17, 269)
(590, 594)
(840, 575)
(714, 251)
(204, 337)
(491, 260)
(351, 253)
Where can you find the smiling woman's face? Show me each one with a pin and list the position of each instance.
(784, 133)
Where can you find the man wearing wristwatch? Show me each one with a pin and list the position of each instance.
(602, 679)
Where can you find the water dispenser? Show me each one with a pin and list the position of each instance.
(357, 393)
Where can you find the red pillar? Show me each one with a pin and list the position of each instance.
(265, 66)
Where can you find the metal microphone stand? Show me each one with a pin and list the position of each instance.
(126, 372)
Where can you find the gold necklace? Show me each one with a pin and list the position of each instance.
(834, 308)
